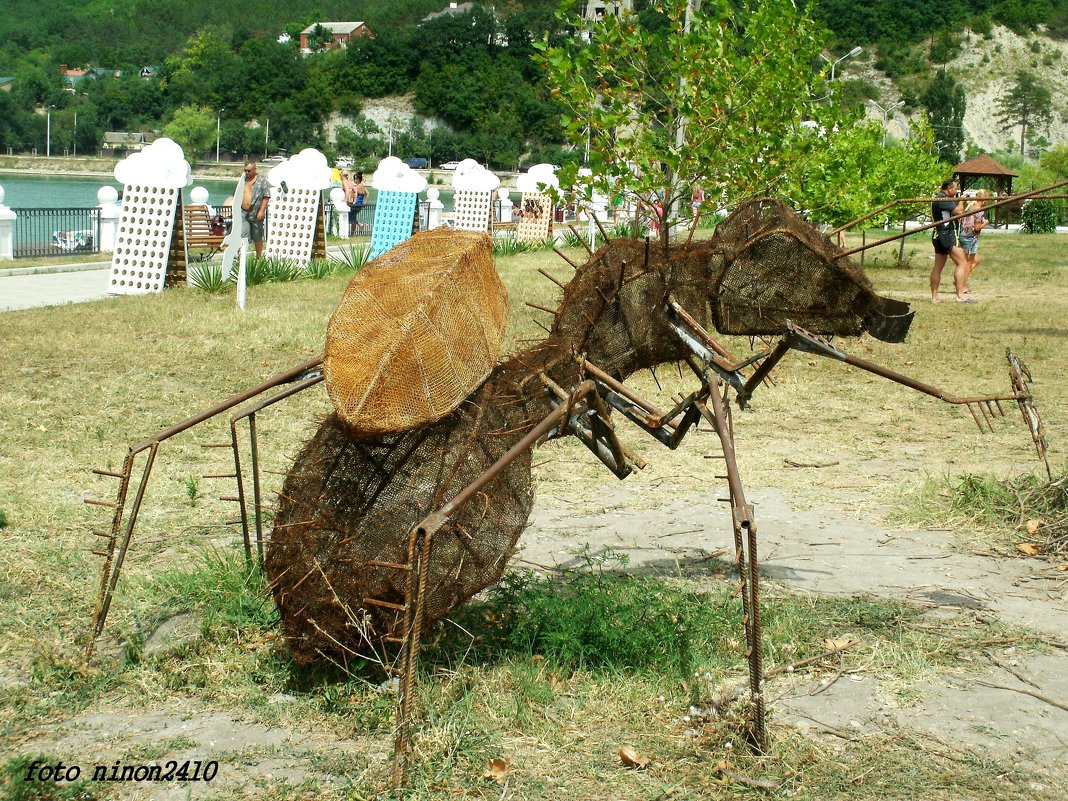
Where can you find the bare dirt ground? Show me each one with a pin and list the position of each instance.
(830, 551)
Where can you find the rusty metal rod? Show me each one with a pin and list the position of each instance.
(436, 520)
(961, 216)
(229, 403)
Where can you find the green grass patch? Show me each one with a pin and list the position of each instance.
(19, 780)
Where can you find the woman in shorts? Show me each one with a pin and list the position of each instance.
(970, 227)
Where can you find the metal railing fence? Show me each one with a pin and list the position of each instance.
(56, 232)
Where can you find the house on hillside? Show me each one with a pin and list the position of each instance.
(452, 10)
(123, 141)
(6, 82)
(340, 35)
(597, 9)
(73, 77)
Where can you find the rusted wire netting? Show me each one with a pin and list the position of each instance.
(395, 370)
(417, 330)
(777, 267)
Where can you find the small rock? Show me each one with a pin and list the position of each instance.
(803, 726)
(173, 634)
(281, 698)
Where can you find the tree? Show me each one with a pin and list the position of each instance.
(946, 104)
(1027, 103)
(680, 96)
(1055, 160)
(192, 127)
(850, 172)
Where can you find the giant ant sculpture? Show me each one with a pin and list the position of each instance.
(378, 535)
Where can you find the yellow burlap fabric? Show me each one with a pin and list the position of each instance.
(417, 330)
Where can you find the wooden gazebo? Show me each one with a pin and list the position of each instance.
(983, 167)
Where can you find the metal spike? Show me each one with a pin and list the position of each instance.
(95, 502)
(540, 308)
(559, 253)
(547, 275)
(574, 230)
(542, 327)
(600, 228)
(111, 473)
(652, 371)
(220, 475)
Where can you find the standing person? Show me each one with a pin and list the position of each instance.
(970, 227)
(254, 205)
(946, 240)
(359, 195)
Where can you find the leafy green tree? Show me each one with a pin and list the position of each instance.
(192, 127)
(319, 38)
(1056, 160)
(714, 97)
(945, 103)
(850, 172)
(1027, 103)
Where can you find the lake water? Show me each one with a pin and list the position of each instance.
(35, 191)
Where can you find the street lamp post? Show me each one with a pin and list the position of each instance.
(886, 114)
(854, 52)
(266, 135)
(75, 141)
(218, 130)
(48, 132)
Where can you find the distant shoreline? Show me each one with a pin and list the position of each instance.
(96, 167)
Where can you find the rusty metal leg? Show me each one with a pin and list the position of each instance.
(745, 544)
(103, 598)
(112, 570)
(415, 587)
(241, 500)
(257, 499)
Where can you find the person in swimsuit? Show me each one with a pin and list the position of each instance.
(946, 240)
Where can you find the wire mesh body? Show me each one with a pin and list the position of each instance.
(416, 332)
(778, 268)
(352, 498)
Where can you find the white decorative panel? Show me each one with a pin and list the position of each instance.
(535, 218)
(291, 217)
(471, 210)
(143, 239)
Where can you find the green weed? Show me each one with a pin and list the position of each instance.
(354, 256)
(320, 268)
(230, 594)
(15, 784)
(207, 276)
(3, 518)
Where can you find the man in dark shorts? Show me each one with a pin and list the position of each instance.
(946, 240)
(254, 205)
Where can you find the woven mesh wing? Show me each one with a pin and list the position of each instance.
(417, 330)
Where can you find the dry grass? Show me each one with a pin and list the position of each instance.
(85, 381)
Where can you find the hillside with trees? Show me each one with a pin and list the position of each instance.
(220, 76)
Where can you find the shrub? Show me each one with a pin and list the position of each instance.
(1039, 216)
(354, 256)
(207, 276)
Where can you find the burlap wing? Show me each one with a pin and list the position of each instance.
(418, 330)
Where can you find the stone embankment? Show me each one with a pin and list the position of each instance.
(100, 166)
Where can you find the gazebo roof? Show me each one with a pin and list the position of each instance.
(984, 165)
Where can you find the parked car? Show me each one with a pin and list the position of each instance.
(416, 164)
(275, 159)
(450, 165)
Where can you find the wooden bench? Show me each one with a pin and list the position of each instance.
(200, 236)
